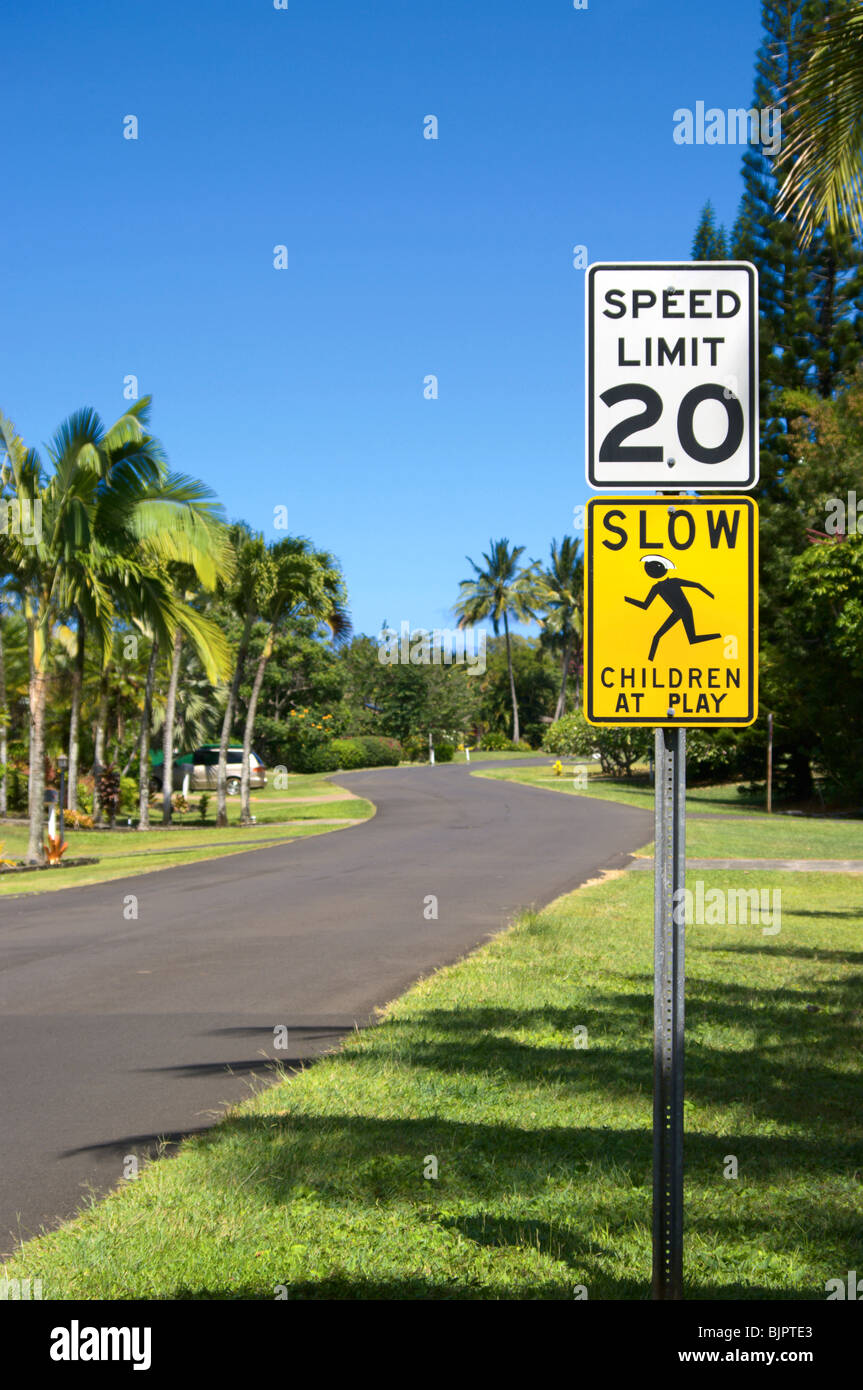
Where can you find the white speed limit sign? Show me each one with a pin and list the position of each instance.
(672, 375)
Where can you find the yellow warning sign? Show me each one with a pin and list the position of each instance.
(671, 611)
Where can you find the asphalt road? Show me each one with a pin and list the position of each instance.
(117, 1031)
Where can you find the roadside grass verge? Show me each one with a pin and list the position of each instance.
(315, 1188)
(758, 837)
(721, 799)
(120, 860)
(271, 813)
(775, 837)
(480, 755)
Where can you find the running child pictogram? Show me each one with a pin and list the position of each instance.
(671, 591)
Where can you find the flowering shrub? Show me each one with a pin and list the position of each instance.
(494, 742)
(618, 748)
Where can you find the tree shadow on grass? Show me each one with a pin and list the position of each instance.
(598, 1181)
(365, 1172)
(794, 1071)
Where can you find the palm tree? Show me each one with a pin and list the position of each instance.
(107, 515)
(247, 594)
(142, 591)
(190, 581)
(496, 592)
(823, 160)
(166, 617)
(561, 597)
(306, 583)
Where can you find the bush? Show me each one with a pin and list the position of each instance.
(494, 742)
(569, 736)
(321, 759)
(444, 752)
(711, 755)
(618, 748)
(348, 752)
(416, 748)
(128, 796)
(305, 746)
(379, 752)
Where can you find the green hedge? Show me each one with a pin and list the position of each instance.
(380, 752)
(494, 742)
(311, 754)
(349, 752)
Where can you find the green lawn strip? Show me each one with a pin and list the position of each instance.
(775, 837)
(116, 864)
(187, 829)
(720, 800)
(271, 812)
(479, 755)
(758, 837)
(109, 844)
(543, 1148)
(298, 784)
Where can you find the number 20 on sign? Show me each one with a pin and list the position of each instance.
(671, 611)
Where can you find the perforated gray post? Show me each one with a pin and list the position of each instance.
(668, 999)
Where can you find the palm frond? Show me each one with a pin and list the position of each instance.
(822, 164)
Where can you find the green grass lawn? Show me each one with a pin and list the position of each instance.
(187, 841)
(271, 812)
(699, 800)
(775, 837)
(299, 784)
(758, 837)
(543, 1149)
(121, 854)
(481, 756)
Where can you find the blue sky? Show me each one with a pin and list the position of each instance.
(406, 256)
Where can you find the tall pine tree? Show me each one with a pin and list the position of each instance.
(710, 242)
(811, 340)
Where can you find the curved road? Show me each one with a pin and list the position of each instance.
(116, 1032)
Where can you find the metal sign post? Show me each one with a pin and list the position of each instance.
(668, 1007)
(671, 587)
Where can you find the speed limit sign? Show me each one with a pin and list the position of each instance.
(672, 375)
